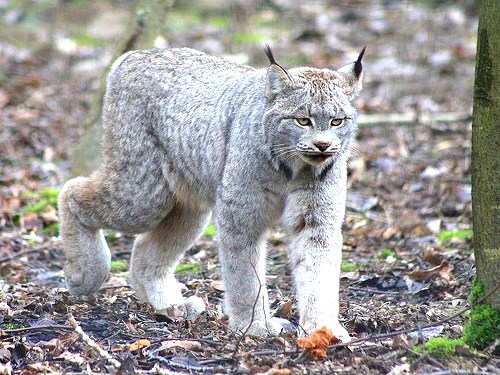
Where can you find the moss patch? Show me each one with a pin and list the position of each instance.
(210, 230)
(119, 266)
(442, 347)
(47, 197)
(484, 324)
(461, 234)
(349, 266)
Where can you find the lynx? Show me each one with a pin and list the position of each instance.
(186, 134)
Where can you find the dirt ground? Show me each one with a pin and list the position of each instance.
(408, 250)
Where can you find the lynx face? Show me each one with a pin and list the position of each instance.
(310, 119)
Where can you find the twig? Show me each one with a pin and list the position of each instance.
(3, 332)
(183, 366)
(373, 291)
(24, 252)
(240, 339)
(86, 338)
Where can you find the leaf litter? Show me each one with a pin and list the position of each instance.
(409, 193)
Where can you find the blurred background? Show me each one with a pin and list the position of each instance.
(415, 107)
(419, 60)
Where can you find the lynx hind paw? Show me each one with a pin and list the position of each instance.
(189, 309)
(273, 327)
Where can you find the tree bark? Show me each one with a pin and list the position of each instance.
(486, 150)
(149, 18)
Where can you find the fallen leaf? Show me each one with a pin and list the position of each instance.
(71, 357)
(404, 341)
(173, 313)
(443, 270)
(185, 344)
(400, 369)
(217, 285)
(284, 310)
(139, 344)
(279, 371)
(134, 346)
(318, 342)
(49, 215)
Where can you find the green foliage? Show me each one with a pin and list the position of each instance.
(349, 266)
(46, 197)
(52, 229)
(484, 324)
(387, 254)
(243, 38)
(442, 347)
(461, 234)
(210, 230)
(119, 266)
(188, 268)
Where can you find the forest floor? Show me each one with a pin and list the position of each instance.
(408, 249)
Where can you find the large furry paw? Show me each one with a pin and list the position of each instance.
(84, 278)
(272, 327)
(189, 309)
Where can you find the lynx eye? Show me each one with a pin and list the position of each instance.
(336, 121)
(303, 121)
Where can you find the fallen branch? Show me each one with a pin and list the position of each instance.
(87, 340)
(25, 252)
(6, 332)
(238, 343)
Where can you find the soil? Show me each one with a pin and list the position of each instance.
(408, 249)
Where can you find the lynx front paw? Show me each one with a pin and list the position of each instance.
(189, 309)
(87, 278)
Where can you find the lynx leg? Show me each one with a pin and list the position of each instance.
(87, 254)
(156, 255)
(87, 204)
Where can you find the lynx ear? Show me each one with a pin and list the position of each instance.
(353, 76)
(278, 79)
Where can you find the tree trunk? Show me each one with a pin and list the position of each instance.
(486, 151)
(149, 18)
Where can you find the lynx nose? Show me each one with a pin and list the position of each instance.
(322, 145)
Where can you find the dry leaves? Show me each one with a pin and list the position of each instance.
(134, 346)
(443, 270)
(317, 343)
(185, 344)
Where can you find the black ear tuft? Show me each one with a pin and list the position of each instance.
(270, 55)
(358, 66)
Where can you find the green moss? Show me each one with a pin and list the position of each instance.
(461, 234)
(188, 267)
(442, 347)
(210, 230)
(385, 253)
(484, 324)
(51, 229)
(349, 266)
(251, 38)
(46, 197)
(119, 266)
(49, 193)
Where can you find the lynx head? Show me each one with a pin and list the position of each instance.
(310, 120)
